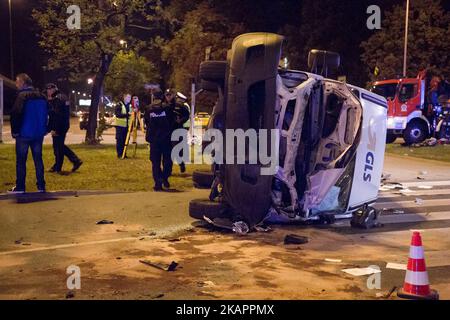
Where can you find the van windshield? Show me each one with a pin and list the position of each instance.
(386, 90)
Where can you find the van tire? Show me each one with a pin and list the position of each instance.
(203, 179)
(198, 208)
(213, 71)
(415, 132)
(209, 85)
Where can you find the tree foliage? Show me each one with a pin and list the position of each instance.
(91, 49)
(428, 43)
(129, 73)
(201, 27)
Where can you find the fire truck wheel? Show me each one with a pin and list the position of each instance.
(390, 138)
(202, 179)
(415, 132)
(198, 208)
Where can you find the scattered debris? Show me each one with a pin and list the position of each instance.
(295, 239)
(206, 284)
(263, 229)
(333, 260)
(18, 241)
(357, 272)
(418, 201)
(165, 267)
(70, 295)
(395, 266)
(420, 178)
(158, 296)
(105, 222)
(119, 258)
(240, 228)
(396, 211)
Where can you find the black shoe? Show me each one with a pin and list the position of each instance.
(76, 165)
(14, 190)
(166, 184)
(182, 167)
(157, 188)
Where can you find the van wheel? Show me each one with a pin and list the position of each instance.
(209, 86)
(203, 179)
(415, 132)
(390, 138)
(213, 71)
(203, 207)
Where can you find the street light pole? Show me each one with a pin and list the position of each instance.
(405, 53)
(11, 40)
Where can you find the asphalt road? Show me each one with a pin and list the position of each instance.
(41, 236)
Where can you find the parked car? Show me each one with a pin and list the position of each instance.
(331, 144)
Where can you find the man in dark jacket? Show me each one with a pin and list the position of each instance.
(29, 119)
(59, 124)
(159, 122)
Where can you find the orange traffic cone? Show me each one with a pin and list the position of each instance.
(416, 284)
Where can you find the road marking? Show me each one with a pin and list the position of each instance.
(426, 183)
(398, 193)
(415, 217)
(412, 204)
(73, 245)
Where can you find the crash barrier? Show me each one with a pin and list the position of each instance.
(416, 284)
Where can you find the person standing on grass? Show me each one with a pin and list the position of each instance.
(122, 115)
(59, 124)
(159, 122)
(29, 120)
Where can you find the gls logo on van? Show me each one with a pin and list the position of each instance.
(370, 157)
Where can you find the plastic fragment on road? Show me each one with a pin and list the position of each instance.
(358, 272)
(418, 201)
(333, 260)
(295, 239)
(240, 228)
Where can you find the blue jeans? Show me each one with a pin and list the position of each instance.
(22, 146)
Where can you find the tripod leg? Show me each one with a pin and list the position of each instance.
(127, 140)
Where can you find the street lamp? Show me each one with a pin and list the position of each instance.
(405, 52)
(11, 39)
(90, 81)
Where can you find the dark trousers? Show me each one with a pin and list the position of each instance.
(22, 146)
(121, 136)
(60, 150)
(160, 152)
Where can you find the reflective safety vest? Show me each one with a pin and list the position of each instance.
(121, 122)
(187, 124)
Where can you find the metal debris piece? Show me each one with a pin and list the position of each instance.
(165, 267)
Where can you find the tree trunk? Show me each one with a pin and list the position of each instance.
(96, 95)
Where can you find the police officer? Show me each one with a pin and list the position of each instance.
(59, 124)
(159, 122)
(122, 115)
(181, 117)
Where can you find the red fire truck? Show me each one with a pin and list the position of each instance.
(406, 102)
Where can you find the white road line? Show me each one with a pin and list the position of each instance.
(423, 192)
(412, 204)
(426, 183)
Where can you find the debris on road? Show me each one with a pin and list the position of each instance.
(18, 241)
(395, 266)
(333, 260)
(425, 187)
(418, 201)
(357, 272)
(105, 222)
(240, 228)
(162, 266)
(295, 239)
(206, 284)
(70, 295)
(386, 295)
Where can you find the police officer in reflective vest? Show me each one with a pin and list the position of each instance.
(122, 115)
